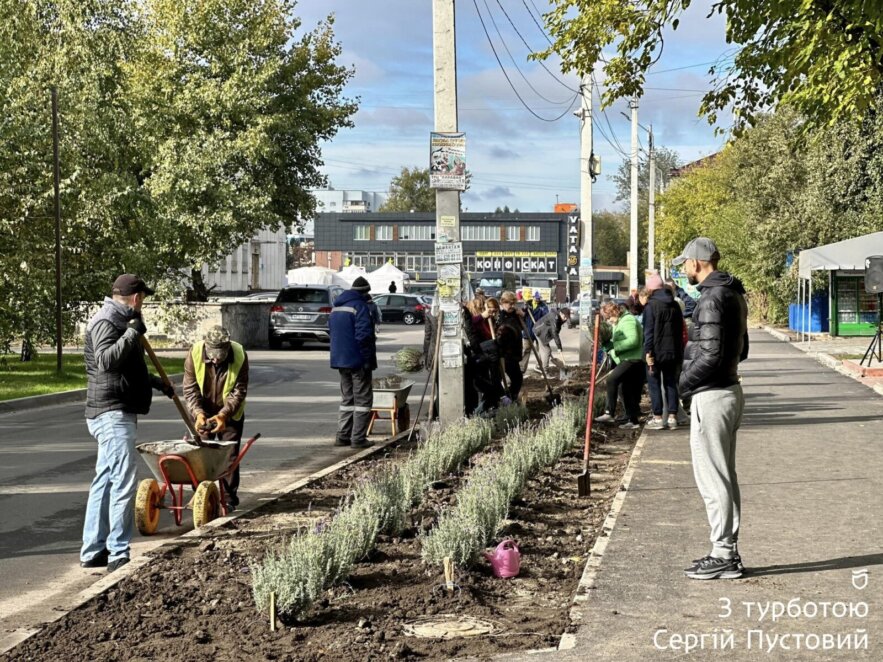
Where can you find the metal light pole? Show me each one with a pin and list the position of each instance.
(633, 225)
(651, 211)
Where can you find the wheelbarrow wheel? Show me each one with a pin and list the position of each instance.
(147, 506)
(206, 503)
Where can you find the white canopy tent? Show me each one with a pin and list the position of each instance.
(347, 275)
(382, 277)
(310, 276)
(846, 254)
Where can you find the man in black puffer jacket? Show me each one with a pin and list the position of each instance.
(118, 389)
(711, 376)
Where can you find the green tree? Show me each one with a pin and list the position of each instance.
(233, 109)
(185, 128)
(409, 191)
(666, 161)
(611, 237)
(825, 58)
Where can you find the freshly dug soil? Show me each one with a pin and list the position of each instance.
(195, 602)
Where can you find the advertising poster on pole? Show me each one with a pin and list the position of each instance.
(447, 161)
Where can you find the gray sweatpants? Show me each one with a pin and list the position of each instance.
(356, 400)
(715, 417)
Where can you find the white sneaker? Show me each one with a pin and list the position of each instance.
(604, 418)
(672, 422)
(628, 425)
(655, 423)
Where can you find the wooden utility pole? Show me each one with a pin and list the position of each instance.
(447, 219)
(633, 225)
(586, 264)
(651, 211)
(56, 184)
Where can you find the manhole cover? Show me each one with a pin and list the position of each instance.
(449, 626)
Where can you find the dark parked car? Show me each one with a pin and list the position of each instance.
(300, 313)
(400, 308)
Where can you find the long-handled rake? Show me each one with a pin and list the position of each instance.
(552, 398)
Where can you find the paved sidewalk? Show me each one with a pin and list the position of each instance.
(810, 461)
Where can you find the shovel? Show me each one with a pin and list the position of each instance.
(432, 372)
(490, 323)
(583, 481)
(196, 440)
(552, 398)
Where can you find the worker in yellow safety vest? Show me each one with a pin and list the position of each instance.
(215, 386)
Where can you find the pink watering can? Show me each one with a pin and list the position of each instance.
(505, 560)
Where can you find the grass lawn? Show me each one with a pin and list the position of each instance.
(38, 377)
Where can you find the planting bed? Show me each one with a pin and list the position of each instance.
(195, 601)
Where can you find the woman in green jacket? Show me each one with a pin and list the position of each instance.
(626, 348)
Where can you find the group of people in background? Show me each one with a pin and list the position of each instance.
(649, 334)
(498, 335)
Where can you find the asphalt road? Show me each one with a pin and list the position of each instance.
(48, 463)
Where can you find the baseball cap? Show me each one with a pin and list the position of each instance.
(128, 284)
(700, 248)
(217, 342)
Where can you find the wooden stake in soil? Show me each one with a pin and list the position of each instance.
(449, 574)
(272, 611)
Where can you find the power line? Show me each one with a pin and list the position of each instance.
(517, 68)
(508, 80)
(541, 28)
(530, 48)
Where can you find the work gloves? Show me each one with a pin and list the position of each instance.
(138, 324)
(217, 423)
(201, 424)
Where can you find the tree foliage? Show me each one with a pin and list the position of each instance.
(611, 237)
(774, 191)
(186, 127)
(409, 191)
(666, 161)
(823, 57)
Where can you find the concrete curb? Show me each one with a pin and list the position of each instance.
(596, 555)
(60, 398)
(107, 582)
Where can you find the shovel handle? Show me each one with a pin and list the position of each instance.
(591, 404)
(185, 415)
(536, 352)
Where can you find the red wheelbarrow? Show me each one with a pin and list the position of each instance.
(179, 463)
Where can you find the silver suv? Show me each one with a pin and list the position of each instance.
(301, 313)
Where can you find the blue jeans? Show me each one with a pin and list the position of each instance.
(110, 512)
(664, 375)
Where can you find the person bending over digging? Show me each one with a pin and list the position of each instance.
(215, 387)
(625, 347)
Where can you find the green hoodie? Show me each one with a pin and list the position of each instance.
(628, 340)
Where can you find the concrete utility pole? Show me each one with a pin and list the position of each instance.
(586, 264)
(651, 211)
(447, 217)
(633, 226)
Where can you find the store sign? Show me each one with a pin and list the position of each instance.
(449, 253)
(573, 240)
(516, 264)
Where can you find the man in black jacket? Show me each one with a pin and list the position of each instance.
(118, 389)
(711, 376)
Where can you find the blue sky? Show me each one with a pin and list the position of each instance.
(516, 159)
